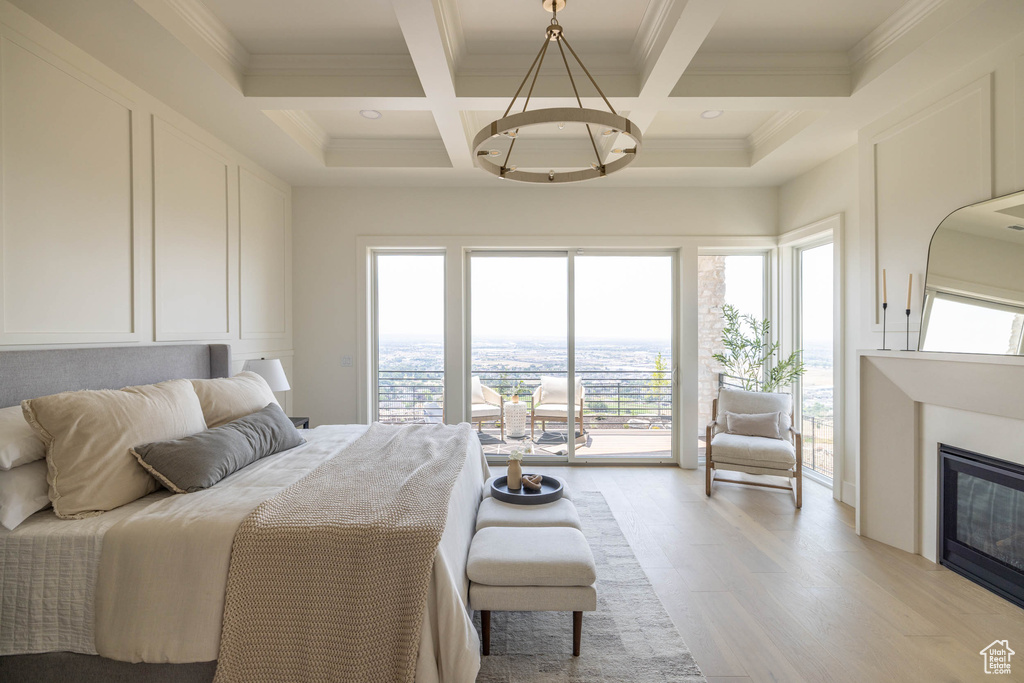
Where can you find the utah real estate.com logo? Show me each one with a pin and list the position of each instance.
(997, 657)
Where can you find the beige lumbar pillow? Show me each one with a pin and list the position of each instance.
(767, 425)
(230, 398)
(89, 436)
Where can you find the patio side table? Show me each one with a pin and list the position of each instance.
(515, 419)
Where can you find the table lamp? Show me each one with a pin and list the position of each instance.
(270, 370)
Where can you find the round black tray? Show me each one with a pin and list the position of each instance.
(550, 491)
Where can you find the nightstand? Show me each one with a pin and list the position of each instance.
(300, 422)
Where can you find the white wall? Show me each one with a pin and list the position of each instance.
(959, 142)
(122, 221)
(327, 222)
(832, 188)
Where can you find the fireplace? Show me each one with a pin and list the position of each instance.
(981, 520)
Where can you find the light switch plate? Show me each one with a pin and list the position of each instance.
(346, 361)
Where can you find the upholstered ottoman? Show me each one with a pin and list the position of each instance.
(560, 513)
(531, 569)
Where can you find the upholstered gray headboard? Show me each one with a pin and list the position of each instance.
(30, 374)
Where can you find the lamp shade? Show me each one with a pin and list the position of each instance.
(270, 370)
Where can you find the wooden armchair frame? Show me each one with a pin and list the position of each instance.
(491, 398)
(796, 478)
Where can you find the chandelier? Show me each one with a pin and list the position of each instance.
(609, 122)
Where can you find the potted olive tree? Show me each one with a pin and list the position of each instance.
(747, 352)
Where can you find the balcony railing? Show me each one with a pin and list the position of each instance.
(819, 448)
(612, 399)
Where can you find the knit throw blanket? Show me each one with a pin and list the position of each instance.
(329, 578)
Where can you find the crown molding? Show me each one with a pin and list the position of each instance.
(450, 23)
(773, 63)
(696, 144)
(384, 145)
(651, 26)
(772, 126)
(506, 65)
(305, 123)
(330, 65)
(212, 31)
(892, 29)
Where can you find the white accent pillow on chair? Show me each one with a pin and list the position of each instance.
(555, 390)
(476, 391)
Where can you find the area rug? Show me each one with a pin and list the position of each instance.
(630, 638)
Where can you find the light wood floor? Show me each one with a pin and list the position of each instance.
(763, 592)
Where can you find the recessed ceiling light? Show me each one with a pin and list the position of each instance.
(370, 114)
(711, 114)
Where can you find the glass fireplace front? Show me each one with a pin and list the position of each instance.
(981, 513)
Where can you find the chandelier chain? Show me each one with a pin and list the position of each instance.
(525, 78)
(578, 100)
(529, 94)
(584, 67)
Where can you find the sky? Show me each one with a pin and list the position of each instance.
(617, 297)
(817, 303)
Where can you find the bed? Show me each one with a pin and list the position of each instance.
(137, 593)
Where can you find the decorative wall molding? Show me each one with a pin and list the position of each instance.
(279, 250)
(46, 333)
(980, 89)
(161, 228)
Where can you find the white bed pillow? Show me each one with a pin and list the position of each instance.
(19, 445)
(89, 436)
(23, 492)
(226, 399)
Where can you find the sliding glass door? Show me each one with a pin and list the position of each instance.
(408, 299)
(518, 342)
(623, 349)
(572, 353)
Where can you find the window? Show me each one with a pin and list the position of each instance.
(409, 320)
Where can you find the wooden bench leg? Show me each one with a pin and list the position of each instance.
(577, 632)
(485, 620)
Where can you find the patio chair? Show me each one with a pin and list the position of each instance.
(551, 403)
(752, 432)
(486, 404)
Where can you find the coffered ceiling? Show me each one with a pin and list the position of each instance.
(286, 81)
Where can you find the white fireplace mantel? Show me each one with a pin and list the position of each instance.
(896, 471)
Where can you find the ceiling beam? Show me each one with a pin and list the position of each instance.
(426, 41)
(683, 26)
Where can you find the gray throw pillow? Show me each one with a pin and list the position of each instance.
(767, 425)
(199, 461)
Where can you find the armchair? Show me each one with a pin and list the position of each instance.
(486, 404)
(551, 403)
(742, 438)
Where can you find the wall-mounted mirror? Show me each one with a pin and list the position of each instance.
(974, 287)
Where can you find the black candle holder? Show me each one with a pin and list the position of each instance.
(908, 331)
(885, 307)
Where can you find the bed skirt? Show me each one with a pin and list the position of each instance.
(62, 667)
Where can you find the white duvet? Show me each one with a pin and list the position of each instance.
(145, 582)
